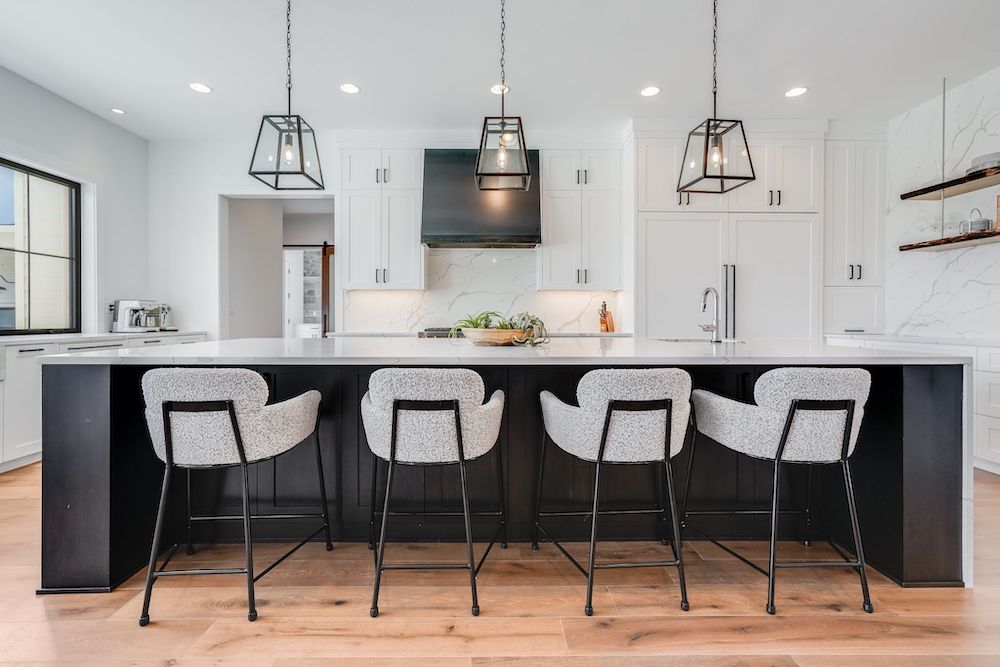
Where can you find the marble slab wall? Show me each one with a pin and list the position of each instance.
(952, 293)
(463, 281)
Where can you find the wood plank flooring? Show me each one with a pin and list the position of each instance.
(314, 609)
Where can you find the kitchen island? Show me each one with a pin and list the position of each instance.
(100, 479)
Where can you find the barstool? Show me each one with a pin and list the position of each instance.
(626, 416)
(201, 418)
(804, 416)
(431, 416)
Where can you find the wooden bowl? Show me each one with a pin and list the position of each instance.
(493, 336)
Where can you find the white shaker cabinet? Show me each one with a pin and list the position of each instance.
(380, 208)
(581, 220)
(788, 175)
(22, 399)
(855, 212)
(658, 170)
(852, 310)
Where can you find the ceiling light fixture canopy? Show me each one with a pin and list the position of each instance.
(798, 91)
(650, 91)
(502, 163)
(716, 158)
(285, 156)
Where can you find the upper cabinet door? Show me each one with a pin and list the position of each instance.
(869, 222)
(796, 174)
(602, 170)
(840, 210)
(561, 170)
(363, 239)
(561, 239)
(601, 241)
(402, 168)
(657, 170)
(361, 168)
(757, 195)
(402, 254)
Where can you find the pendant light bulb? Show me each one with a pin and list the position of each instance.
(288, 152)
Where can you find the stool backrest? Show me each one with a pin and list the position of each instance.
(428, 436)
(201, 438)
(815, 435)
(638, 436)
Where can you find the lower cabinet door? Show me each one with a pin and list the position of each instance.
(987, 393)
(22, 400)
(852, 310)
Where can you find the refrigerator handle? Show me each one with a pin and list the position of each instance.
(732, 333)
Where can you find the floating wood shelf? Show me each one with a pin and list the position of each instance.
(952, 242)
(978, 180)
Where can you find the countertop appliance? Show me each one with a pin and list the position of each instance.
(438, 332)
(457, 214)
(141, 315)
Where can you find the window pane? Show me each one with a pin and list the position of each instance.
(13, 290)
(49, 222)
(50, 297)
(13, 209)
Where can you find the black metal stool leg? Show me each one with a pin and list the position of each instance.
(380, 547)
(676, 544)
(589, 608)
(856, 528)
(371, 518)
(503, 498)
(538, 492)
(190, 546)
(690, 467)
(773, 551)
(161, 511)
(468, 538)
(322, 493)
(248, 542)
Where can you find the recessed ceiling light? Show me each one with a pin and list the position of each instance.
(350, 88)
(499, 89)
(120, 112)
(199, 88)
(796, 92)
(649, 91)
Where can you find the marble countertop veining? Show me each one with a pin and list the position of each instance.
(445, 352)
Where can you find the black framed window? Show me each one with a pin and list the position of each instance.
(39, 251)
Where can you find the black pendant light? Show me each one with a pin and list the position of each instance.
(502, 163)
(717, 158)
(285, 156)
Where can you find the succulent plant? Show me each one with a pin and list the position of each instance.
(534, 329)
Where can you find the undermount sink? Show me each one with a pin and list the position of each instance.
(700, 340)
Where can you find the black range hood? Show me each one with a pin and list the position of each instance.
(457, 214)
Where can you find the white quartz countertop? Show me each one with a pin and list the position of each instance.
(414, 334)
(932, 340)
(29, 339)
(379, 351)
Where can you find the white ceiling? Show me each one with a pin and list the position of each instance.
(571, 64)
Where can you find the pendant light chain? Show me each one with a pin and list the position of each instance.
(288, 50)
(503, 53)
(715, 58)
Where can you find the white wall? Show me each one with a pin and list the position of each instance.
(952, 293)
(253, 296)
(46, 131)
(308, 228)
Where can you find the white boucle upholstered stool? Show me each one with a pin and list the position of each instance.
(431, 416)
(625, 416)
(804, 416)
(202, 418)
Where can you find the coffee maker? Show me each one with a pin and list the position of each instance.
(141, 315)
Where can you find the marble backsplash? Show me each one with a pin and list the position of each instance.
(953, 293)
(461, 282)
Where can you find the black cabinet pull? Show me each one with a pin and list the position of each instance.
(852, 272)
(578, 276)
(680, 198)
(578, 177)
(385, 175)
(779, 197)
(770, 197)
(585, 280)
(586, 176)
(377, 175)
(385, 276)
(31, 349)
(859, 272)
(376, 275)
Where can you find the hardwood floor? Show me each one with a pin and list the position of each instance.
(314, 609)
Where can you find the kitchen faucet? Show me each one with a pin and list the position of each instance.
(714, 326)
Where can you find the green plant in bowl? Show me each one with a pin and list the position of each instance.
(524, 328)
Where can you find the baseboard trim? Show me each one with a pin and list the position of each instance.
(988, 466)
(20, 462)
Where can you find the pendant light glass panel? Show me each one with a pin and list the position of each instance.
(286, 157)
(716, 158)
(502, 163)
